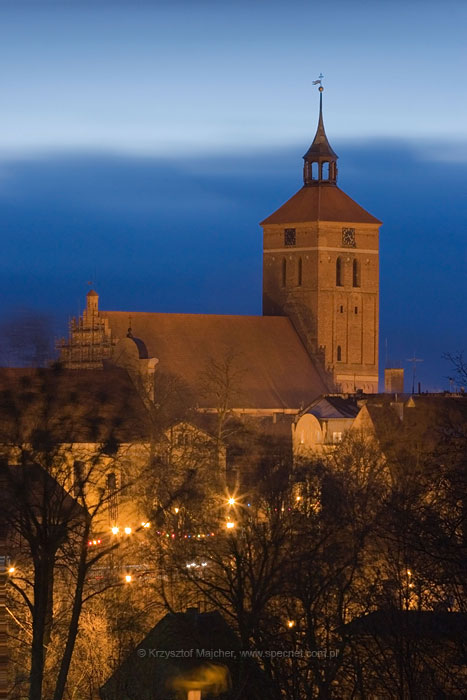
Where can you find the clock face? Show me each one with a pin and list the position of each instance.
(290, 236)
(348, 237)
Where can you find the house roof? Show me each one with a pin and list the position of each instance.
(32, 495)
(334, 407)
(261, 356)
(320, 203)
(70, 406)
(415, 623)
(421, 423)
(143, 676)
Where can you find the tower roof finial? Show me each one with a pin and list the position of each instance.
(320, 151)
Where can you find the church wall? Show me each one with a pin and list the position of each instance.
(347, 314)
(339, 324)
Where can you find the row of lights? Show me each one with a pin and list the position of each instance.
(128, 530)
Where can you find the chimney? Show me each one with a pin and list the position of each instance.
(394, 381)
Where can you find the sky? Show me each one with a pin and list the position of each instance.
(142, 142)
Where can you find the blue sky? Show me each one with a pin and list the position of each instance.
(141, 143)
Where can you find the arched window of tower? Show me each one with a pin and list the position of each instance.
(300, 272)
(339, 353)
(339, 272)
(314, 171)
(356, 273)
(325, 171)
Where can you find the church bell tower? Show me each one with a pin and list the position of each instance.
(320, 268)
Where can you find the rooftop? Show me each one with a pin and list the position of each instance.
(260, 357)
(320, 203)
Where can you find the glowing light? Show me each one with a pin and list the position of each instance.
(128, 578)
(229, 525)
(128, 531)
(231, 501)
(409, 573)
(299, 498)
(146, 524)
(11, 570)
(290, 623)
(176, 510)
(115, 530)
(204, 563)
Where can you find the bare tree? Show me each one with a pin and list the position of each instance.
(459, 366)
(58, 442)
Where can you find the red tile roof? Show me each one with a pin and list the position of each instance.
(320, 203)
(270, 365)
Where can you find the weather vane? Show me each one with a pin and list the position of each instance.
(319, 82)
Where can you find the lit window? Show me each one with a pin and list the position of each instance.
(337, 436)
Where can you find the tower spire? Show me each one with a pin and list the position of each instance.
(320, 166)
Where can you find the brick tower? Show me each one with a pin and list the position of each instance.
(320, 268)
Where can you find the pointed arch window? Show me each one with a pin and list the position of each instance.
(78, 478)
(314, 171)
(112, 495)
(300, 272)
(356, 273)
(339, 353)
(284, 272)
(325, 170)
(339, 272)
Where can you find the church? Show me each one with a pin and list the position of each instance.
(319, 330)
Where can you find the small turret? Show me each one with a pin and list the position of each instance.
(320, 166)
(92, 302)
